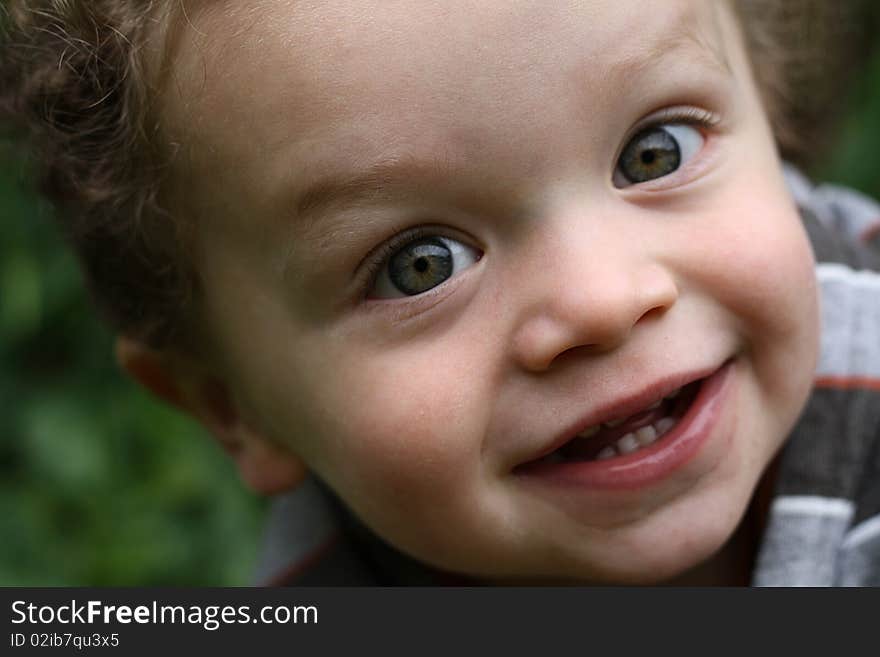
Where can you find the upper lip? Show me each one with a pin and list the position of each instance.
(628, 404)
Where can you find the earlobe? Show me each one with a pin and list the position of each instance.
(149, 368)
(268, 469)
(264, 466)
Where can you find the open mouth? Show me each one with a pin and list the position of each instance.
(625, 435)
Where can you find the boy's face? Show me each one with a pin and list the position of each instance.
(438, 240)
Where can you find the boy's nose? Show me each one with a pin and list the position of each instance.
(597, 308)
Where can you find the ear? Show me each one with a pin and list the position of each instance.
(181, 381)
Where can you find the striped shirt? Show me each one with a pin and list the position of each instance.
(824, 522)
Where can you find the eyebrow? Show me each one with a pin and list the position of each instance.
(381, 180)
(686, 38)
(372, 184)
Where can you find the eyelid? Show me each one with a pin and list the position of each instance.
(686, 114)
(689, 115)
(369, 268)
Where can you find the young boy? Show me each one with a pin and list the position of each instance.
(522, 285)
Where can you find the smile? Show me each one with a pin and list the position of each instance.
(635, 448)
(627, 434)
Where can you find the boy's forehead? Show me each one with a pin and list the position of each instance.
(289, 78)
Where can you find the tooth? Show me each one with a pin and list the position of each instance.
(606, 453)
(627, 444)
(614, 423)
(663, 425)
(672, 394)
(589, 432)
(656, 404)
(646, 435)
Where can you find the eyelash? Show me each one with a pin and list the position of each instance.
(378, 258)
(693, 116)
(697, 118)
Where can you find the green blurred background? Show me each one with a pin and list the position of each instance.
(100, 484)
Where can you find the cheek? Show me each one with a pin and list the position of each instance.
(761, 274)
(753, 256)
(407, 431)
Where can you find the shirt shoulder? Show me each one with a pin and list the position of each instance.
(842, 223)
(824, 523)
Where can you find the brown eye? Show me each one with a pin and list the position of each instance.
(421, 265)
(656, 152)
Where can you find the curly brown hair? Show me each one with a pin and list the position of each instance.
(76, 83)
(804, 55)
(74, 86)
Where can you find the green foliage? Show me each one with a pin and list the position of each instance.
(99, 484)
(856, 158)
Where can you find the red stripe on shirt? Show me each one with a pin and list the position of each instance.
(870, 232)
(296, 569)
(847, 382)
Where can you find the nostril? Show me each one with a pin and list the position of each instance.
(653, 313)
(593, 319)
(658, 291)
(580, 352)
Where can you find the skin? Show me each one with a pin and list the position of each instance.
(497, 124)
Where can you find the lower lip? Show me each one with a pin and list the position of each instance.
(652, 464)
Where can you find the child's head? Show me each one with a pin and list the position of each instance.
(417, 247)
